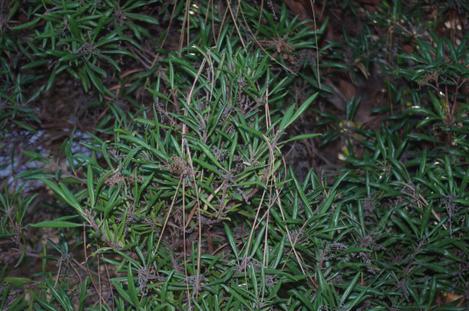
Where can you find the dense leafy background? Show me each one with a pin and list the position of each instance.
(230, 155)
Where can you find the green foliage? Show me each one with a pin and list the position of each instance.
(88, 40)
(185, 200)
(13, 207)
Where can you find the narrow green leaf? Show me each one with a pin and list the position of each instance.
(90, 186)
(62, 191)
(56, 223)
(291, 117)
(132, 289)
